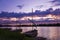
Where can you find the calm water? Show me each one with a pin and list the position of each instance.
(52, 33)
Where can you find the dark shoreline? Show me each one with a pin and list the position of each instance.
(58, 24)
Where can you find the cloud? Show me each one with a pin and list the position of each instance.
(55, 2)
(39, 6)
(20, 6)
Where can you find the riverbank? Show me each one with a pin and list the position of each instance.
(7, 34)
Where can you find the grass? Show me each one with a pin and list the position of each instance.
(9, 35)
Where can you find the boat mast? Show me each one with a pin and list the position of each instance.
(32, 21)
(32, 18)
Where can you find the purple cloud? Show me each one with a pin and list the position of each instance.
(55, 2)
(20, 6)
(39, 6)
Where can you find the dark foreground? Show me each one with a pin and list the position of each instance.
(8, 34)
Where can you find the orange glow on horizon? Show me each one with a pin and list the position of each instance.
(34, 18)
(49, 17)
(13, 19)
(37, 18)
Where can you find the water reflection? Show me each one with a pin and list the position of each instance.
(52, 33)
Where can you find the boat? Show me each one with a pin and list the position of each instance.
(31, 33)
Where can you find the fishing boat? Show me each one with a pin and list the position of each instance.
(31, 33)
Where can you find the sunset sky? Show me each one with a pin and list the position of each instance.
(27, 5)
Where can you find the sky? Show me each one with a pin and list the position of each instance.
(27, 5)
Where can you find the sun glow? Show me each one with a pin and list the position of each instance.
(37, 18)
(13, 19)
(34, 18)
(49, 17)
(25, 18)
